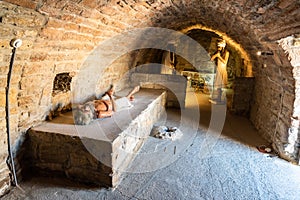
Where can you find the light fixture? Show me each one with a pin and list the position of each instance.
(258, 53)
(16, 43)
(264, 53)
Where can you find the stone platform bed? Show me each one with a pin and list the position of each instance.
(99, 152)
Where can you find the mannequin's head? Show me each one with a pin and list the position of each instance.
(221, 44)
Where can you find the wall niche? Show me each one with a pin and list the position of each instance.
(61, 94)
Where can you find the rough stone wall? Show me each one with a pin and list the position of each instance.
(243, 92)
(58, 35)
(175, 85)
(56, 39)
(272, 104)
(26, 24)
(66, 156)
(291, 147)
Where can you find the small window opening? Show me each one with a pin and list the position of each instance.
(62, 83)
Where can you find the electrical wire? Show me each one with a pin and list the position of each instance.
(7, 111)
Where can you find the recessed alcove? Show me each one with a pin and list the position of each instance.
(61, 94)
(61, 83)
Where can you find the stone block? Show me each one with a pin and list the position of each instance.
(83, 159)
(45, 168)
(139, 77)
(24, 20)
(3, 82)
(52, 153)
(4, 184)
(29, 84)
(25, 100)
(24, 3)
(38, 57)
(37, 137)
(88, 176)
(76, 36)
(158, 78)
(174, 83)
(177, 78)
(285, 4)
(5, 43)
(92, 159)
(60, 24)
(12, 97)
(176, 87)
(89, 30)
(72, 8)
(151, 85)
(89, 3)
(52, 34)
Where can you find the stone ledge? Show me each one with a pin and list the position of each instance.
(99, 152)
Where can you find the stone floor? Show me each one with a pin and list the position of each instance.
(229, 168)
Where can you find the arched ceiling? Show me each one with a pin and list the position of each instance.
(253, 24)
(59, 34)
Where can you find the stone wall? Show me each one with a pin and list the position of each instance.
(272, 103)
(58, 36)
(291, 147)
(54, 41)
(66, 156)
(26, 24)
(174, 84)
(242, 96)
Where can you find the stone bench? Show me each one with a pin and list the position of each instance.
(99, 152)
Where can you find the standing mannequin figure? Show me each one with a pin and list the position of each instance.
(221, 79)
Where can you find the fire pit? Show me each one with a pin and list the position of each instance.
(166, 132)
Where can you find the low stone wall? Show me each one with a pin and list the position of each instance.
(56, 154)
(174, 84)
(99, 152)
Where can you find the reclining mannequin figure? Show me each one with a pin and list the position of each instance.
(104, 107)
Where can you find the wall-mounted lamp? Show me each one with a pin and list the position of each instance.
(15, 43)
(264, 53)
